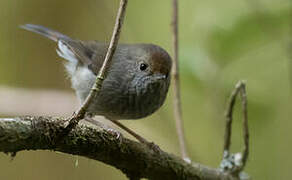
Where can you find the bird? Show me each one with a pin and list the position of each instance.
(137, 81)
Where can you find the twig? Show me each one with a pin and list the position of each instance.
(235, 162)
(103, 71)
(102, 75)
(176, 84)
(132, 158)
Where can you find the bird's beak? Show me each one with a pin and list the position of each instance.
(160, 76)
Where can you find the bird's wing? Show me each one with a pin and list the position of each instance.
(89, 53)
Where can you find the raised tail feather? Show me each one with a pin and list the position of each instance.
(49, 33)
(68, 49)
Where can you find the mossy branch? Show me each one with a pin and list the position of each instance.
(134, 159)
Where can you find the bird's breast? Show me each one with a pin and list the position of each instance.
(121, 98)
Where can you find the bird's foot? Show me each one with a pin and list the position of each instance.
(152, 146)
(116, 134)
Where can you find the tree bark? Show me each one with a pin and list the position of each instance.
(134, 159)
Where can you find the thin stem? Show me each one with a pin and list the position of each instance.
(245, 127)
(176, 84)
(229, 117)
(289, 51)
(103, 71)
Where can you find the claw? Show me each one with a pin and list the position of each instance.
(153, 146)
(115, 133)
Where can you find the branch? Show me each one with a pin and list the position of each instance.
(235, 163)
(134, 159)
(176, 84)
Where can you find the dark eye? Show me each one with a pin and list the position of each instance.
(143, 66)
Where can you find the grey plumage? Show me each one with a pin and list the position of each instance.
(128, 92)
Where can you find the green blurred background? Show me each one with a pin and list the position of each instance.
(221, 42)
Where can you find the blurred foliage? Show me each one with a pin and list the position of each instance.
(221, 42)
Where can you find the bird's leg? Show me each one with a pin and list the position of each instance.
(108, 129)
(137, 136)
(118, 134)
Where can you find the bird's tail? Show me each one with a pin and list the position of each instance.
(49, 33)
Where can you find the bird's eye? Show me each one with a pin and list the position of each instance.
(143, 66)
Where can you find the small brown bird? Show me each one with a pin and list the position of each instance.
(137, 81)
